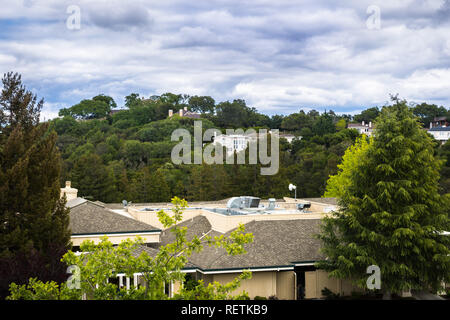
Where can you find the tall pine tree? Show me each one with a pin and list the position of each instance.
(391, 214)
(33, 219)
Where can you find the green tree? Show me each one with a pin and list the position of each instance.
(132, 100)
(427, 112)
(367, 115)
(391, 214)
(444, 153)
(202, 104)
(34, 221)
(105, 261)
(97, 107)
(337, 185)
(92, 178)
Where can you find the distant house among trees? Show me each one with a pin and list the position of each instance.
(184, 112)
(440, 129)
(363, 128)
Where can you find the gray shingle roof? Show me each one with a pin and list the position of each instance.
(198, 226)
(440, 129)
(90, 218)
(276, 243)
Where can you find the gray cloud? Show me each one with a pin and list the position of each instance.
(278, 55)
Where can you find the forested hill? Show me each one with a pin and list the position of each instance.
(112, 155)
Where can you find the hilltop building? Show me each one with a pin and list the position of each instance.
(363, 128)
(185, 113)
(440, 129)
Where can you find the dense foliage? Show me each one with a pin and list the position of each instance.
(33, 219)
(126, 154)
(391, 213)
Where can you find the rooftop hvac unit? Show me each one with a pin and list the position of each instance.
(243, 202)
(235, 202)
(303, 206)
(272, 204)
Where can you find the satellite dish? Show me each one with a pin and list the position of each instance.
(125, 203)
(292, 187)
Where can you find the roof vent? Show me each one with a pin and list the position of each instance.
(271, 204)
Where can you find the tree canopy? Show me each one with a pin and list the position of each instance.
(392, 214)
(33, 219)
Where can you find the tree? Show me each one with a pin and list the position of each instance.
(296, 121)
(33, 219)
(105, 261)
(323, 125)
(92, 179)
(95, 108)
(338, 184)
(427, 112)
(202, 104)
(341, 125)
(367, 115)
(444, 153)
(391, 214)
(132, 100)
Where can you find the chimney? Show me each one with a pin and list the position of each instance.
(170, 113)
(71, 193)
(181, 112)
(370, 124)
(185, 108)
(431, 124)
(363, 123)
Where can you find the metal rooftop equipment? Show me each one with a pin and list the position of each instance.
(303, 206)
(243, 202)
(272, 204)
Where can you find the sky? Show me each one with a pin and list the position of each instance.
(279, 56)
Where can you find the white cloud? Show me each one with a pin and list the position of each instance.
(277, 55)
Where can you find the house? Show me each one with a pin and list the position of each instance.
(114, 111)
(362, 128)
(439, 122)
(239, 142)
(281, 257)
(440, 129)
(92, 220)
(185, 113)
(441, 134)
(234, 142)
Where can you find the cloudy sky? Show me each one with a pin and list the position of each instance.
(280, 56)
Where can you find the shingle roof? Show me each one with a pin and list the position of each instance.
(152, 252)
(197, 226)
(440, 129)
(87, 217)
(276, 243)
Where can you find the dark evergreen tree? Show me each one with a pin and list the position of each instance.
(33, 219)
(392, 214)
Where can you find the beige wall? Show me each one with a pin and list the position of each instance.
(263, 283)
(286, 285)
(317, 280)
(151, 238)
